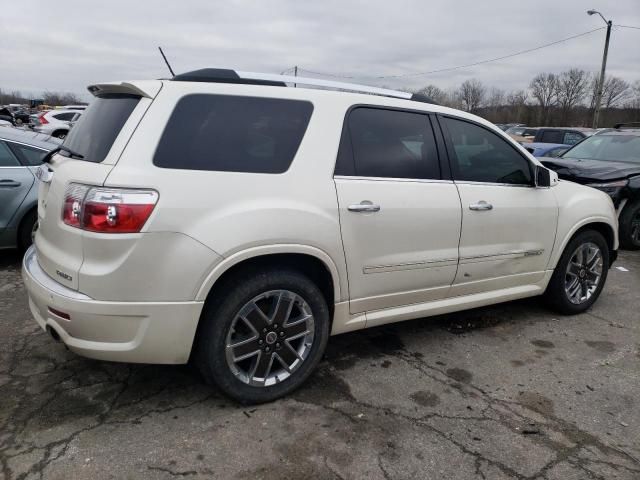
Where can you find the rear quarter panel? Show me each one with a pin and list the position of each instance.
(239, 215)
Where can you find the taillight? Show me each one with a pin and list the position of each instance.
(108, 210)
(43, 120)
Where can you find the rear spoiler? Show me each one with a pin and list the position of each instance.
(145, 88)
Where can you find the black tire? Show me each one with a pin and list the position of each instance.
(217, 320)
(26, 230)
(630, 226)
(61, 134)
(556, 295)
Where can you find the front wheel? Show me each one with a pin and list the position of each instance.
(263, 335)
(630, 226)
(580, 274)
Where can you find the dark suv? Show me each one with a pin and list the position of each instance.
(565, 136)
(609, 161)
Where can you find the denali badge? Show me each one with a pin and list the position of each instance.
(64, 275)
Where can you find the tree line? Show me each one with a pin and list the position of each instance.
(551, 99)
(50, 98)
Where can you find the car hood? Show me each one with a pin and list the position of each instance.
(587, 171)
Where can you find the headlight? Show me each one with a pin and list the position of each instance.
(610, 188)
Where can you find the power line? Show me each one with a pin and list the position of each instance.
(448, 69)
(627, 26)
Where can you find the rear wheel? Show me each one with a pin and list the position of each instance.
(61, 134)
(580, 274)
(263, 335)
(630, 226)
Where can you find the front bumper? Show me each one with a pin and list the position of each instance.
(139, 332)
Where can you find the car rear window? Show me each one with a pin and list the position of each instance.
(233, 134)
(99, 125)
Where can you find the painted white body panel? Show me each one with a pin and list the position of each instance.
(424, 253)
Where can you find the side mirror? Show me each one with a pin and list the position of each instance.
(543, 177)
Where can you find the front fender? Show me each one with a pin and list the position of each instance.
(580, 206)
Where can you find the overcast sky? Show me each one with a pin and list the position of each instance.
(66, 45)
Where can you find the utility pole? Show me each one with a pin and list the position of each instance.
(295, 73)
(596, 112)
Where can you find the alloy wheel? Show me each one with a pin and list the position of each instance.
(270, 338)
(635, 228)
(583, 273)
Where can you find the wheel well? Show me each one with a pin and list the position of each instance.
(53, 134)
(603, 228)
(31, 210)
(309, 265)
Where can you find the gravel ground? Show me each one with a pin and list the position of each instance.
(510, 391)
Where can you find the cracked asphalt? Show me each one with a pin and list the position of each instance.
(510, 391)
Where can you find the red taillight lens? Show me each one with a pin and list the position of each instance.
(73, 199)
(110, 210)
(43, 120)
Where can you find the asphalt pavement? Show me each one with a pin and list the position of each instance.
(509, 391)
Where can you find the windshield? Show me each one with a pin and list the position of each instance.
(97, 128)
(615, 148)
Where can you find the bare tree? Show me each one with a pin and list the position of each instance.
(496, 98)
(614, 91)
(434, 92)
(471, 94)
(544, 88)
(572, 88)
(60, 98)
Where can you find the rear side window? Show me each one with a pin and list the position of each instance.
(233, 134)
(64, 117)
(388, 144)
(480, 155)
(7, 158)
(99, 125)
(552, 136)
(31, 156)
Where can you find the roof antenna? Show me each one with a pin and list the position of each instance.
(167, 62)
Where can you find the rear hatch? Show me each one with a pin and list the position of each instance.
(88, 154)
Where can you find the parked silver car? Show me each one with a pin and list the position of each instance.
(21, 151)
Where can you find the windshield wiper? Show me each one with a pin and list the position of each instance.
(71, 153)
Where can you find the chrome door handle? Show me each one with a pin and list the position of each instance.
(364, 206)
(9, 183)
(481, 205)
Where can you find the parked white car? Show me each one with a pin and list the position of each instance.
(225, 217)
(56, 122)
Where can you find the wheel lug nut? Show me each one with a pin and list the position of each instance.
(260, 342)
(278, 345)
(267, 349)
(282, 334)
(275, 326)
(264, 330)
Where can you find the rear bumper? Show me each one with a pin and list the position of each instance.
(140, 332)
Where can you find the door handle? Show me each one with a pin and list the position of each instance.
(481, 205)
(9, 183)
(364, 206)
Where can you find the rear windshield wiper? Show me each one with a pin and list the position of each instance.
(61, 148)
(71, 153)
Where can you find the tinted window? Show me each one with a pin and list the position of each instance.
(7, 159)
(571, 138)
(99, 126)
(233, 134)
(64, 117)
(30, 156)
(552, 136)
(482, 156)
(389, 144)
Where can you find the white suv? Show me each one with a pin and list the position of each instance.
(230, 219)
(56, 123)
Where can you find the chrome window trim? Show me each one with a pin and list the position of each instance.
(391, 179)
(470, 182)
(22, 143)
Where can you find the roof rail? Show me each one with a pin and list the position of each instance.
(219, 75)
